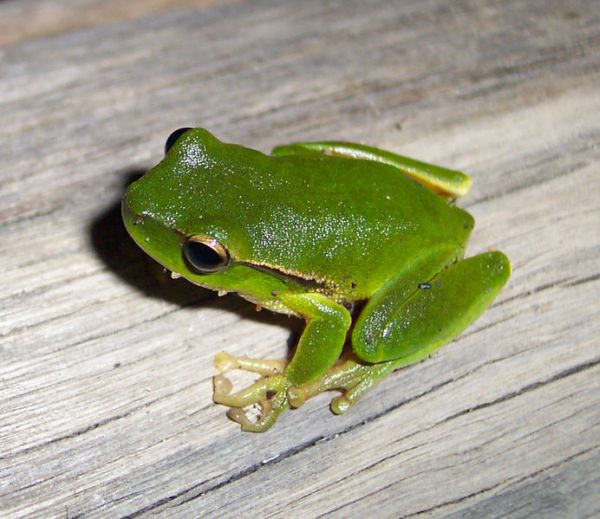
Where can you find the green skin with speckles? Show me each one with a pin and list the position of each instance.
(308, 231)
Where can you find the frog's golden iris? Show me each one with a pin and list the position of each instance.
(205, 254)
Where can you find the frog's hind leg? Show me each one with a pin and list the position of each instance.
(318, 349)
(395, 330)
(448, 183)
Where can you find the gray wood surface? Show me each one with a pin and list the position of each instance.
(105, 373)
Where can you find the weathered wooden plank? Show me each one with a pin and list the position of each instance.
(24, 20)
(105, 373)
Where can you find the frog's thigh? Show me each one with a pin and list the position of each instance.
(438, 309)
(323, 338)
(446, 182)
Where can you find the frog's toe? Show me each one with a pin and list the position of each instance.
(226, 362)
(268, 393)
(222, 385)
(253, 394)
(340, 404)
(269, 412)
(353, 393)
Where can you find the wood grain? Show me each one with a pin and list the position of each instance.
(24, 20)
(105, 373)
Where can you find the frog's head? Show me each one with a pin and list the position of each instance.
(181, 212)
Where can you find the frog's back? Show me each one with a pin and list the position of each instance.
(345, 223)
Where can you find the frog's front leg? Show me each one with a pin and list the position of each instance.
(318, 349)
(448, 183)
(399, 327)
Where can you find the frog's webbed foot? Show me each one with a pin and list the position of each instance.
(269, 392)
(273, 393)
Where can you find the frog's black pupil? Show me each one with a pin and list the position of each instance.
(203, 257)
(173, 138)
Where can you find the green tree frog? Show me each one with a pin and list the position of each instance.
(365, 245)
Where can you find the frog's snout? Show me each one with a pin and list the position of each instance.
(131, 217)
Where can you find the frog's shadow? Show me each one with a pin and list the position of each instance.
(115, 248)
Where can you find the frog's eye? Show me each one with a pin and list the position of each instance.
(173, 138)
(205, 254)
